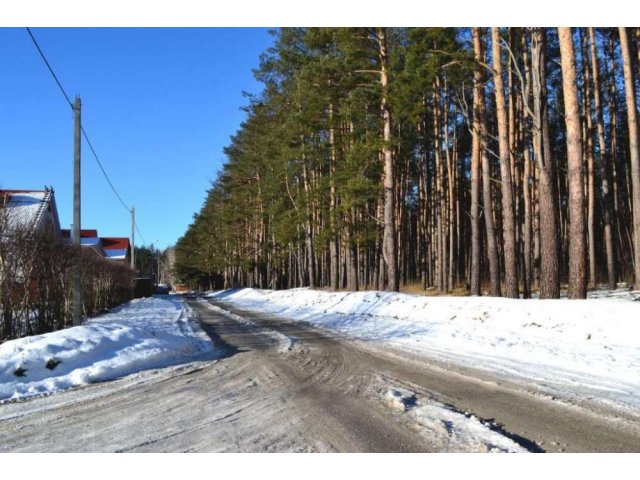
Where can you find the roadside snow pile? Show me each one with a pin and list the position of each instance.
(454, 431)
(590, 345)
(143, 334)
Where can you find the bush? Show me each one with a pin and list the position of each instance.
(36, 278)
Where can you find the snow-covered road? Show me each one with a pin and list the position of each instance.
(577, 351)
(286, 386)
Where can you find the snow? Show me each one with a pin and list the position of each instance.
(456, 432)
(116, 253)
(90, 242)
(22, 208)
(566, 350)
(575, 349)
(143, 334)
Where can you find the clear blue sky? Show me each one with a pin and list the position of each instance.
(158, 104)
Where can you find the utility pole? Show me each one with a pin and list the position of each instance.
(77, 271)
(133, 241)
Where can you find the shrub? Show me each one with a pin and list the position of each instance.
(36, 277)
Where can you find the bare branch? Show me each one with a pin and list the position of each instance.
(525, 86)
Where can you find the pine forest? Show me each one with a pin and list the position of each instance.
(481, 161)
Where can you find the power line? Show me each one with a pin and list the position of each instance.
(138, 230)
(49, 67)
(103, 170)
(84, 133)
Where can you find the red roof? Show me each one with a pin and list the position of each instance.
(115, 243)
(108, 243)
(83, 233)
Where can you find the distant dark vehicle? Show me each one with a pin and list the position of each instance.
(143, 287)
(162, 289)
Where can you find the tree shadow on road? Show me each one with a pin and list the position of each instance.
(222, 349)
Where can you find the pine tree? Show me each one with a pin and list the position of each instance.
(634, 145)
(509, 230)
(577, 251)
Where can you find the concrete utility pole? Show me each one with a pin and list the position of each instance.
(133, 241)
(77, 272)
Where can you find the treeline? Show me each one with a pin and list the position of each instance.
(153, 262)
(475, 159)
(36, 278)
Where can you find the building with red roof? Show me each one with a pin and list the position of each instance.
(117, 249)
(36, 210)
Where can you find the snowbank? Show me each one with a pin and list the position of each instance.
(143, 334)
(590, 347)
(455, 432)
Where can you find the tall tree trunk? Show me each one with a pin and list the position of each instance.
(439, 179)
(492, 245)
(475, 174)
(451, 178)
(515, 121)
(630, 92)
(527, 186)
(589, 154)
(527, 233)
(604, 168)
(351, 256)
(423, 210)
(619, 219)
(509, 230)
(333, 206)
(311, 265)
(613, 131)
(389, 247)
(460, 178)
(577, 250)
(381, 274)
(548, 215)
